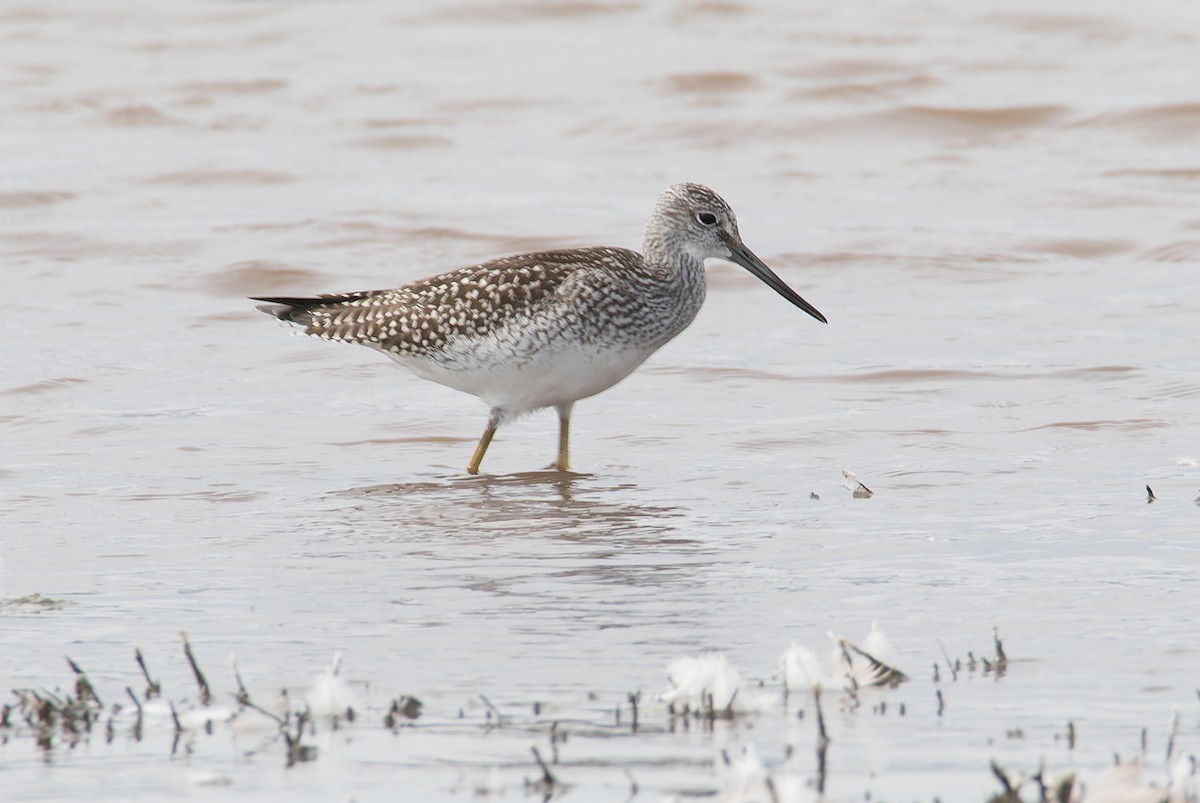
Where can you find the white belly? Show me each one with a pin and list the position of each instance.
(557, 374)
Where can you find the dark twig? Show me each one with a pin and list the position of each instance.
(178, 728)
(949, 663)
(633, 787)
(297, 751)
(1062, 792)
(1001, 661)
(1039, 778)
(137, 725)
(83, 710)
(205, 694)
(175, 719)
(83, 686)
(1010, 791)
(41, 715)
(248, 703)
(822, 742)
(493, 710)
(769, 782)
(1174, 732)
(242, 696)
(153, 687)
(403, 707)
(881, 673)
(548, 780)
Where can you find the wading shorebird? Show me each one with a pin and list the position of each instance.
(547, 328)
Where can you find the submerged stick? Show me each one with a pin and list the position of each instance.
(1062, 792)
(83, 686)
(548, 780)
(822, 742)
(1174, 732)
(205, 693)
(492, 710)
(137, 725)
(297, 751)
(633, 787)
(949, 663)
(153, 687)
(243, 695)
(178, 728)
(1001, 664)
(769, 782)
(1002, 776)
(248, 703)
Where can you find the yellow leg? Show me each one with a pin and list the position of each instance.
(564, 435)
(481, 449)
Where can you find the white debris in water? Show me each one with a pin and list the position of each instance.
(156, 708)
(492, 786)
(329, 696)
(1183, 788)
(801, 670)
(856, 488)
(868, 665)
(249, 721)
(744, 779)
(203, 718)
(849, 668)
(708, 682)
(1123, 783)
(1186, 462)
(878, 645)
(208, 779)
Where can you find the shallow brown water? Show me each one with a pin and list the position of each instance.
(994, 204)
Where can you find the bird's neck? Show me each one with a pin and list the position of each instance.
(679, 276)
(672, 261)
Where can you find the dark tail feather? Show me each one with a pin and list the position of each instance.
(300, 310)
(290, 310)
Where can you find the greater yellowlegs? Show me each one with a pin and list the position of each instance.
(547, 328)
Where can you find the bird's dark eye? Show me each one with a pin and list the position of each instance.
(706, 218)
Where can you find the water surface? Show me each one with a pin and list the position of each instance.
(994, 204)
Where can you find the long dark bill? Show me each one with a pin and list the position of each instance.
(743, 256)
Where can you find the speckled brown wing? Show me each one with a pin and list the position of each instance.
(424, 316)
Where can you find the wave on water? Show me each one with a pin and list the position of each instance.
(232, 177)
(1171, 121)
(28, 198)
